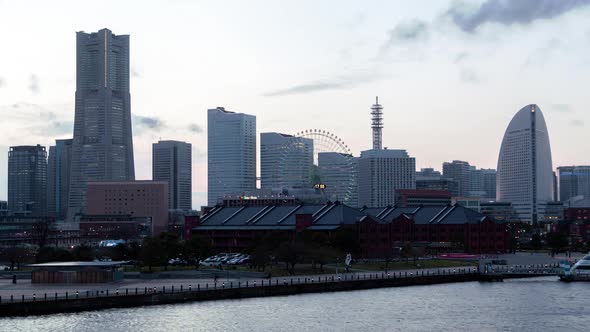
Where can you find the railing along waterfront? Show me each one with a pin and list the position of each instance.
(228, 284)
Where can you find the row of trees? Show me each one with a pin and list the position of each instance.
(314, 248)
(156, 251)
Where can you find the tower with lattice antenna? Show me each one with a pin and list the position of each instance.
(377, 124)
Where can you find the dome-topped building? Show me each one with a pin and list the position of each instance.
(525, 171)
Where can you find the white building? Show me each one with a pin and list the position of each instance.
(231, 153)
(285, 161)
(524, 177)
(381, 172)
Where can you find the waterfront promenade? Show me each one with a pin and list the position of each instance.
(27, 298)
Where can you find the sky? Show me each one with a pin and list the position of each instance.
(449, 74)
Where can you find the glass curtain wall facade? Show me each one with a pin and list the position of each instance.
(58, 178)
(524, 176)
(231, 154)
(172, 162)
(27, 180)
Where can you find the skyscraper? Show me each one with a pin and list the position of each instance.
(381, 172)
(285, 161)
(27, 180)
(102, 148)
(459, 171)
(231, 153)
(58, 178)
(524, 177)
(489, 184)
(172, 162)
(573, 181)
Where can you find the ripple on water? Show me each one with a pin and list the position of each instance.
(518, 305)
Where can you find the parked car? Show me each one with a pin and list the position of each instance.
(177, 262)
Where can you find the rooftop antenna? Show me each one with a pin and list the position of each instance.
(377, 124)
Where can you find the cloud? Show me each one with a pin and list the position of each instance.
(469, 76)
(337, 83)
(1, 82)
(508, 12)
(29, 123)
(309, 88)
(135, 73)
(53, 128)
(563, 108)
(460, 57)
(409, 31)
(577, 123)
(34, 84)
(148, 122)
(195, 128)
(405, 32)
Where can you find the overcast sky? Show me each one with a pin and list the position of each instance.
(450, 74)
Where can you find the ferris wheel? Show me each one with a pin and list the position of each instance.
(318, 159)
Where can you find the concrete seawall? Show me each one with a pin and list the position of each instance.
(288, 287)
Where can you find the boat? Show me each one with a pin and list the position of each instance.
(579, 272)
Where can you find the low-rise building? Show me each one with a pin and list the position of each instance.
(133, 198)
(96, 228)
(415, 197)
(500, 211)
(378, 230)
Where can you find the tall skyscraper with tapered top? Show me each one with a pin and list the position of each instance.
(102, 149)
(525, 172)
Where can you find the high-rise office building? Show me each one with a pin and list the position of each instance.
(286, 161)
(459, 171)
(475, 183)
(427, 173)
(489, 184)
(231, 153)
(381, 172)
(102, 149)
(524, 177)
(27, 180)
(573, 181)
(58, 178)
(172, 162)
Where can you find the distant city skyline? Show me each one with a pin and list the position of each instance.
(448, 76)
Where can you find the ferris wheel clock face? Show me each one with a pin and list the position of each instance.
(317, 159)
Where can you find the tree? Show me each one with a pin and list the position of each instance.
(16, 255)
(557, 241)
(171, 247)
(536, 241)
(51, 254)
(197, 248)
(83, 253)
(290, 253)
(345, 239)
(152, 253)
(406, 252)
